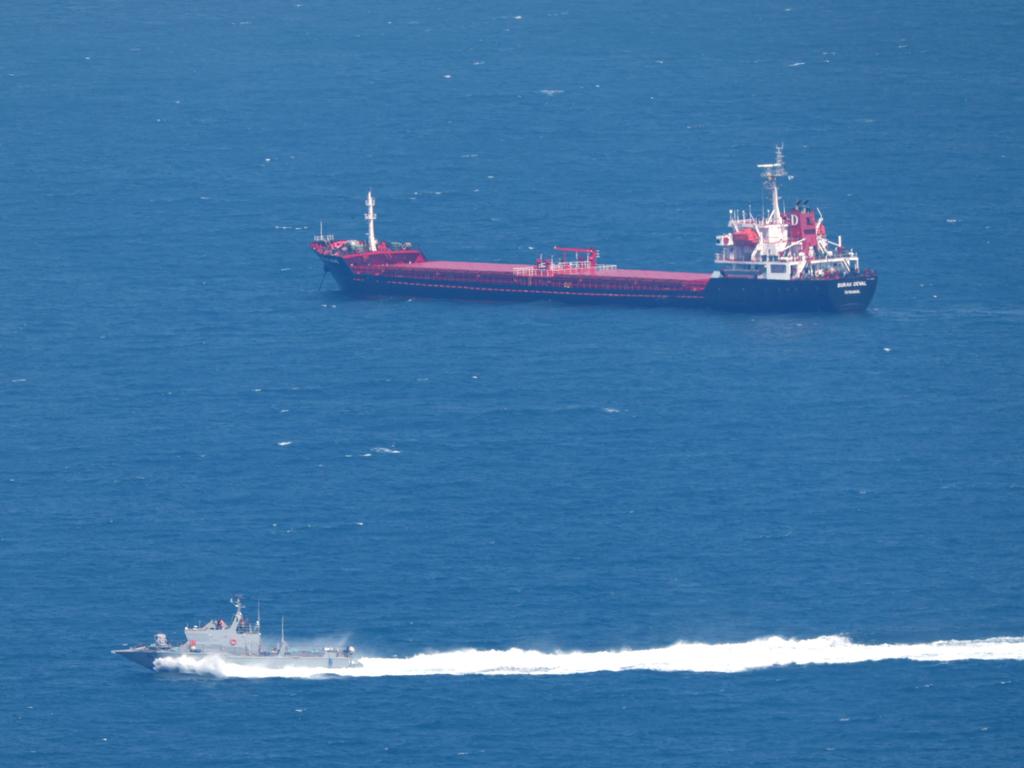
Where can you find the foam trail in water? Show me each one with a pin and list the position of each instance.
(681, 657)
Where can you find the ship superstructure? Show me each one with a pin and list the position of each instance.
(782, 246)
(781, 261)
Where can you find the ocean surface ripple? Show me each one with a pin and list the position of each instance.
(593, 536)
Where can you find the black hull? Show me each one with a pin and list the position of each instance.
(733, 294)
(852, 293)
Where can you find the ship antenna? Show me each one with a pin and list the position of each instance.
(771, 173)
(258, 606)
(371, 217)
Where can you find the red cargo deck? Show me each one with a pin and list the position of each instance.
(525, 272)
(380, 268)
(561, 279)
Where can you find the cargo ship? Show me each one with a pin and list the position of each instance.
(781, 261)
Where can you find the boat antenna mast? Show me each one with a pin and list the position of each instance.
(371, 217)
(771, 173)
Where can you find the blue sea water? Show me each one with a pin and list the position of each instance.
(188, 413)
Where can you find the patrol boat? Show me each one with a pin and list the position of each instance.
(238, 642)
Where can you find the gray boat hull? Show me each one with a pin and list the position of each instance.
(147, 657)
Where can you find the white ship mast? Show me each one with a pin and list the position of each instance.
(771, 173)
(371, 217)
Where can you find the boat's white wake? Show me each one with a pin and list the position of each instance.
(680, 657)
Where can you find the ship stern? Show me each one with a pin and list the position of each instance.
(852, 293)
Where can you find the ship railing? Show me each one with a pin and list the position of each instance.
(570, 266)
(323, 238)
(788, 258)
(723, 258)
(561, 268)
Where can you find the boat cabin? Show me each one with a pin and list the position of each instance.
(219, 636)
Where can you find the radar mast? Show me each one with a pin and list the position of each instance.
(771, 173)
